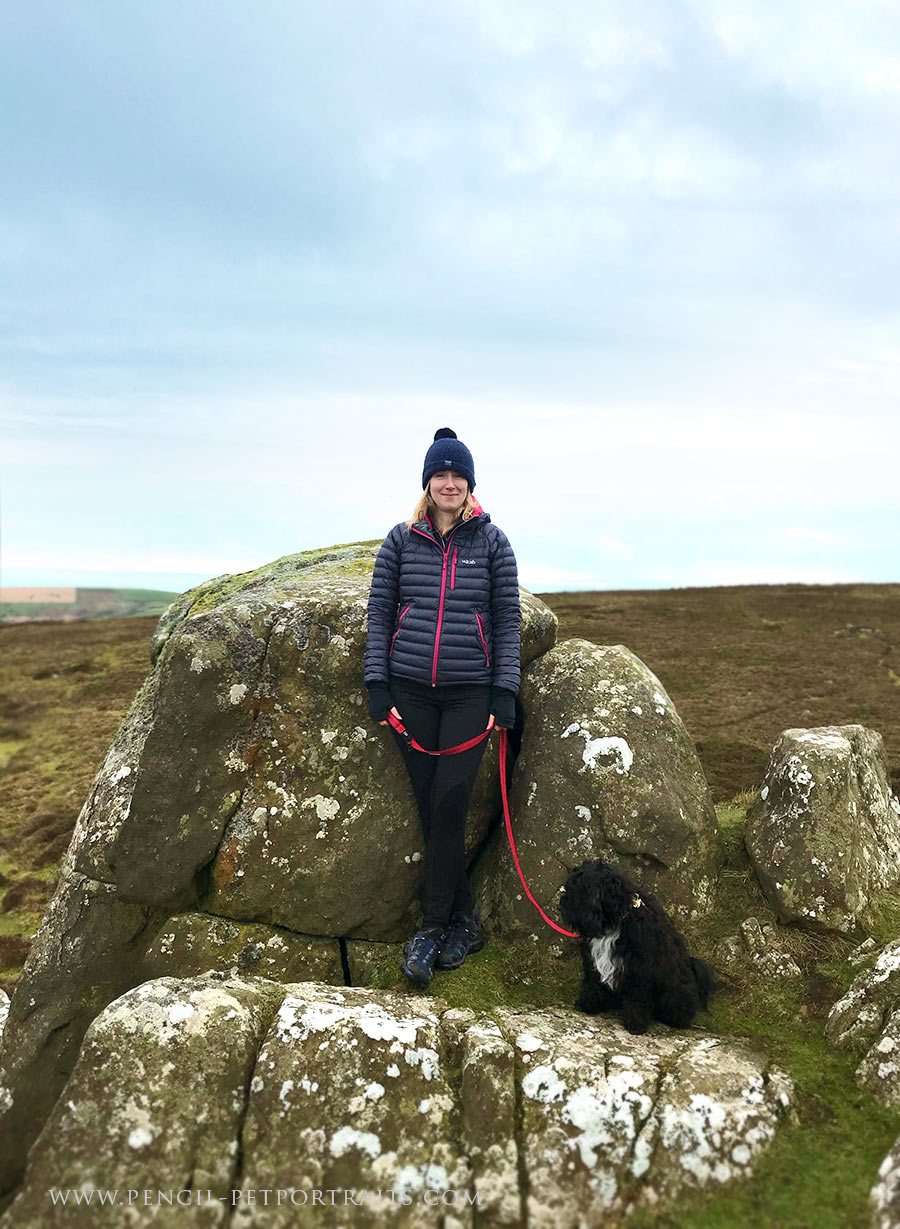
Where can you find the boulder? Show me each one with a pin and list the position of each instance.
(760, 946)
(154, 1101)
(868, 1015)
(824, 833)
(88, 950)
(612, 1123)
(248, 780)
(857, 1018)
(194, 942)
(606, 770)
(218, 1086)
(247, 787)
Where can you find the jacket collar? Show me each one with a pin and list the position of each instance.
(479, 517)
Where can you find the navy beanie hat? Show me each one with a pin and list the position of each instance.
(448, 452)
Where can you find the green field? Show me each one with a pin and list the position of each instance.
(91, 604)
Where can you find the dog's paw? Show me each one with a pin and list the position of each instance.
(636, 1024)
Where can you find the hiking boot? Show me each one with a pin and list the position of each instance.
(464, 936)
(420, 954)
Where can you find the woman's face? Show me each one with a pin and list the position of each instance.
(448, 490)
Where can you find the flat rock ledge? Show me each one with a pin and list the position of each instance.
(823, 834)
(232, 1086)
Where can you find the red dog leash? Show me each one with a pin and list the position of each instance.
(401, 729)
(472, 742)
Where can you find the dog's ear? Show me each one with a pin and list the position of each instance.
(581, 905)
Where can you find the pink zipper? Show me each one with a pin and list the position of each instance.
(394, 637)
(481, 634)
(453, 570)
(437, 635)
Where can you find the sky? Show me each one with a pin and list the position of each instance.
(641, 256)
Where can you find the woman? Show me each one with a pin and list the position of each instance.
(443, 654)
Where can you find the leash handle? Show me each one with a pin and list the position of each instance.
(401, 729)
(572, 934)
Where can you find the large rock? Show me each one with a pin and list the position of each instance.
(195, 942)
(89, 949)
(248, 779)
(155, 1101)
(824, 833)
(248, 783)
(606, 770)
(220, 1084)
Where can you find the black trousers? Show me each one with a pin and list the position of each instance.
(440, 717)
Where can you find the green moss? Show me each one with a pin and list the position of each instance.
(885, 926)
(213, 592)
(818, 1170)
(502, 974)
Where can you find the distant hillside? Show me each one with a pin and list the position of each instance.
(64, 604)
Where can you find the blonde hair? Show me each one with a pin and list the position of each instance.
(426, 504)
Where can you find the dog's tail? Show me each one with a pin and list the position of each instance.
(705, 977)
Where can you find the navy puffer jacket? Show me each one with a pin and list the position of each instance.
(445, 613)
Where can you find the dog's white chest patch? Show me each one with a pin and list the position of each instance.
(605, 962)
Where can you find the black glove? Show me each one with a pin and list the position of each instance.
(503, 706)
(380, 701)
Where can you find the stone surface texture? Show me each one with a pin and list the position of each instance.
(867, 1018)
(824, 833)
(219, 1083)
(606, 770)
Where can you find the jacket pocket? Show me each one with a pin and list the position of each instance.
(453, 569)
(397, 632)
(487, 660)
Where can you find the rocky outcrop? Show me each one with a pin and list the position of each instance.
(248, 815)
(88, 950)
(190, 943)
(867, 1018)
(158, 1092)
(249, 818)
(757, 945)
(248, 780)
(606, 770)
(824, 833)
(220, 1084)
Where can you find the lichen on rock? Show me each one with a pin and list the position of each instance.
(606, 769)
(824, 832)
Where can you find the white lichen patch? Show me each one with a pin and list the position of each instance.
(602, 748)
(348, 1138)
(325, 808)
(236, 692)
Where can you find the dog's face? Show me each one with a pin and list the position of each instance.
(595, 899)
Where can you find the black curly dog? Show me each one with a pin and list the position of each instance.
(633, 956)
